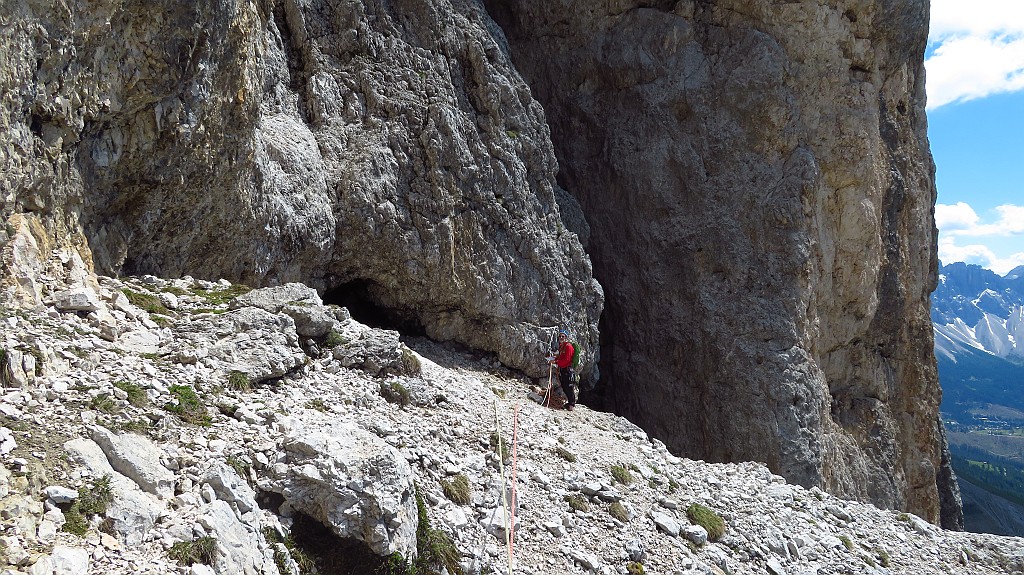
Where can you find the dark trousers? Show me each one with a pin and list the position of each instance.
(566, 383)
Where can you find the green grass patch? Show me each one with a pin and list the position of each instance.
(239, 381)
(136, 395)
(883, 557)
(499, 446)
(618, 511)
(457, 490)
(145, 301)
(334, 339)
(635, 568)
(104, 403)
(847, 542)
(240, 467)
(434, 548)
(577, 502)
(708, 519)
(317, 404)
(202, 550)
(187, 406)
(621, 474)
(395, 392)
(565, 454)
(221, 296)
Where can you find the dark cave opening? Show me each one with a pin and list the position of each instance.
(357, 296)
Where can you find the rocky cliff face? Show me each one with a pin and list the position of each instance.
(756, 176)
(759, 188)
(384, 147)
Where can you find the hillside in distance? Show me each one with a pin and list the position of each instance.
(978, 331)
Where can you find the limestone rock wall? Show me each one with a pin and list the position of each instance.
(389, 143)
(759, 188)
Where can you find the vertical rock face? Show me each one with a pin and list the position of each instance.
(759, 188)
(390, 145)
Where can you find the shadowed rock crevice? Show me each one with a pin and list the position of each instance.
(358, 297)
(761, 226)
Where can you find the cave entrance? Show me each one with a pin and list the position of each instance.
(357, 296)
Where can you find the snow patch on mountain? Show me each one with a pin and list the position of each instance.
(975, 309)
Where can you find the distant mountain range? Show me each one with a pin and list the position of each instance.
(978, 317)
(975, 310)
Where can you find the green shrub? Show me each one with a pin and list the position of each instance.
(94, 500)
(565, 454)
(621, 474)
(136, 395)
(618, 511)
(457, 489)
(239, 381)
(91, 501)
(433, 546)
(75, 522)
(148, 302)
(883, 557)
(673, 485)
(201, 550)
(395, 392)
(577, 502)
(499, 446)
(104, 404)
(334, 339)
(708, 519)
(188, 407)
(635, 568)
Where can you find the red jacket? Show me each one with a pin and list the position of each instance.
(565, 353)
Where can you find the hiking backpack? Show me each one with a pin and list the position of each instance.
(574, 367)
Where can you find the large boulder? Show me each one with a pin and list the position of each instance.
(137, 458)
(297, 301)
(133, 512)
(354, 483)
(249, 340)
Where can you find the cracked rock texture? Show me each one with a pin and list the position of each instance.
(388, 145)
(760, 193)
(755, 175)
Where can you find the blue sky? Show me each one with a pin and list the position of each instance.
(975, 82)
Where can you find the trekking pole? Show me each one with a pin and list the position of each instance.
(547, 392)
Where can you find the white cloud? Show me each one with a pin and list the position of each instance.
(977, 50)
(959, 216)
(978, 254)
(979, 17)
(959, 221)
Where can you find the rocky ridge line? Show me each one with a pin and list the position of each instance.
(300, 426)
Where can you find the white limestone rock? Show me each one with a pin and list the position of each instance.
(296, 300)
(70, 560)
(77, 299)
(133, 511)
(352, 482)
(255, 342)
(137, 458)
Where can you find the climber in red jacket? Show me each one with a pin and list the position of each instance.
(562, 362)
